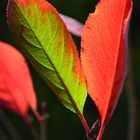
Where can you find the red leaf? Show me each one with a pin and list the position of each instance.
(104, 54)
(16, 89)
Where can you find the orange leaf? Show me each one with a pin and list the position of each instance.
(104, 54)
(16, 89)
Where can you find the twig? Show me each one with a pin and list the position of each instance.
(94, 130)
(30, 124)
(43, 130)
(85, 124)
(43, 123)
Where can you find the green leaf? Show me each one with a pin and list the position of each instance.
(44, 38)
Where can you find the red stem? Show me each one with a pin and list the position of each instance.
(85, 124)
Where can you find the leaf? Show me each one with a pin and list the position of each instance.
(16, 89)
(74, 26)
(103, 54)
(44, 38)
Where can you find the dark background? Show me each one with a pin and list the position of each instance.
(62, 124)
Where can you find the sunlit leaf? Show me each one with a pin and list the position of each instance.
(44, 38)
(104, 52)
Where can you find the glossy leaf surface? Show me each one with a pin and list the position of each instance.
(104, 50)
(44, 38)
(16, 89)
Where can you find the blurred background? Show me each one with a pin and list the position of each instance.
(62, 124)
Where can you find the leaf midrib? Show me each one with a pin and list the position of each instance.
(61, 79)
(119, 42)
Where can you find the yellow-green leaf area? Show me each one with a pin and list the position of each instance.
(44, 39)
